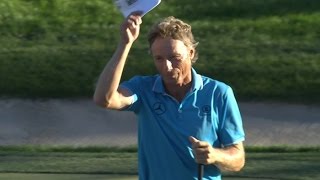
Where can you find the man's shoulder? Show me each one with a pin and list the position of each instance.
(144, 79)
(141, 81)
(211, 82)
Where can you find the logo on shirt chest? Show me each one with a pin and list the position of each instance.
(206, 110)
(159, 108)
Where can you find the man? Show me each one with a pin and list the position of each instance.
(184, 119)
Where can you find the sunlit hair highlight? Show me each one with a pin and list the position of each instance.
(175, 29)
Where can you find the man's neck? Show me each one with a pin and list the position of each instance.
(178, 91)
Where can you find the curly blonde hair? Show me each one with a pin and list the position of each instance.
(175, 29)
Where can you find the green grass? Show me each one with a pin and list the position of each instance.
(261, 162)
(263, 49)
(30, 176)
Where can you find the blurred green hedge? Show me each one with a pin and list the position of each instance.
(266, 50)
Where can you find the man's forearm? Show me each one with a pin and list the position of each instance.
(110, 77)
(230, 158)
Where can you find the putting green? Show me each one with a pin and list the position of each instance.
(27, 176)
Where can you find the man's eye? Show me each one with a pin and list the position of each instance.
(177, 58)
(158, 58)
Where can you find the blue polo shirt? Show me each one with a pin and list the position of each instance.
(209, 112)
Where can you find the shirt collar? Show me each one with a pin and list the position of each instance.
(197, 83)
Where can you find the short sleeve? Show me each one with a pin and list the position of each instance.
(230, 122)
(133, 85)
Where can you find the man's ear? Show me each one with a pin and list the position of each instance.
(191, 53)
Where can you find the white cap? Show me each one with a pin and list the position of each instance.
(128, 6)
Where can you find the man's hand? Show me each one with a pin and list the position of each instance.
(203, 152)
(130, 28)
(230, 158)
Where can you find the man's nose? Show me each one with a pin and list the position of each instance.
(168, 65)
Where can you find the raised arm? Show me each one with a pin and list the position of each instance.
(107, 93)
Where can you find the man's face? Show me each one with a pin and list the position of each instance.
(172, 60)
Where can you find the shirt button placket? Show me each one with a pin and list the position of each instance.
(180, 112)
